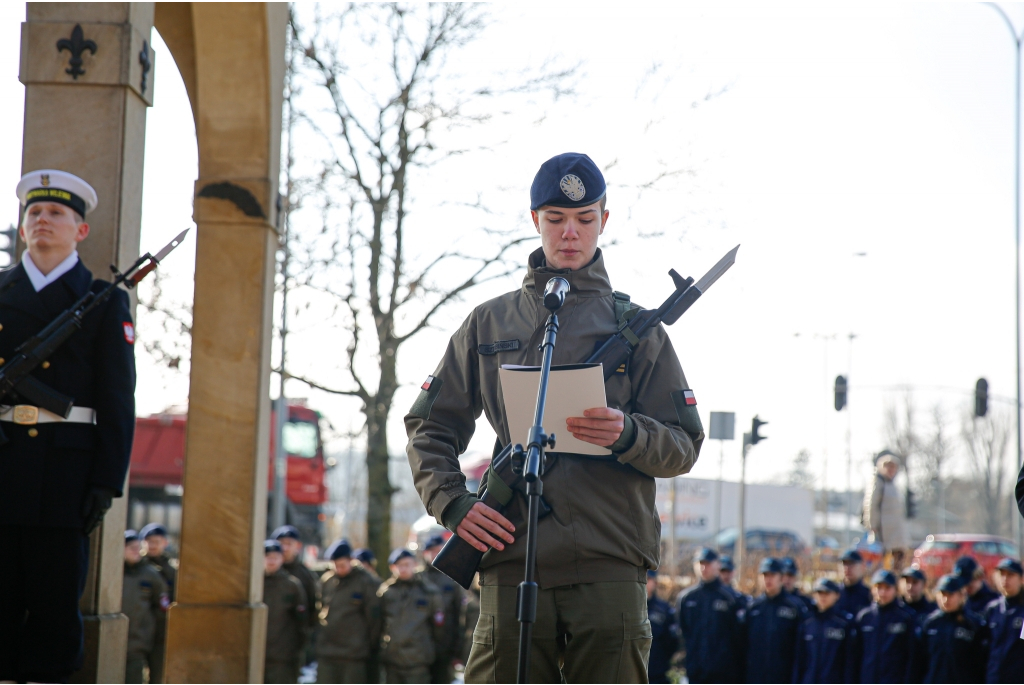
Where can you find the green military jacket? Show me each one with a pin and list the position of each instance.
(452, 603)
(604, 525)
(286, 616)
(310, 584)
(163, 566)
(413, 622)
(144, 599)
(350, 618)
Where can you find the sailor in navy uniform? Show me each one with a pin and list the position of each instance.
(58, 476)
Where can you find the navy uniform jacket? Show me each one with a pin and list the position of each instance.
(824, 649)
(772, 626)
(805, 600)
(853, 599)
(979, 601)
(44, 479)
(884, 645)
(923, 608)
(1005, 618)
(952, 648)
(711, 625)
(664, 641)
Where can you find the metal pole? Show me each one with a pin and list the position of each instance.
(721, 477)
(672, 543)
(824, 439)
(849, 445)
(741, 539)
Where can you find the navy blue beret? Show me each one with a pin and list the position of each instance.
(652, 574)
(398, 554)
(727, 564)
(770, 565)
(852, 556)
(130, 536)
(433, 541)
(568, 180)
(882, 576)
(915, 573)
(789, 566)
(286, 532)
(826, 585)
(152, 529)
(965, 567)
(706, 554)
(1009, 564)
(950, 583)
(364, 555)
(272, 546)
(339, 550)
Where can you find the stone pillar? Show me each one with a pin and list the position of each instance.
(91, 121)
(232, 60)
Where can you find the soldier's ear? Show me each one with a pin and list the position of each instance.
(604, 220)
(536, 219)
(82, 233)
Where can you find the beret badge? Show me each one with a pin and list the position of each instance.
(573, 187)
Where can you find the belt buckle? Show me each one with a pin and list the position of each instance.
(26, 415)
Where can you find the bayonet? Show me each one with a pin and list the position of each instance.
(708, 279)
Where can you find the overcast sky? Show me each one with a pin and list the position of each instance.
(862, 156)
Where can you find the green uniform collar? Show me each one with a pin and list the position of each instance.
(590, 281)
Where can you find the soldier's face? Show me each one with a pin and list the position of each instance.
(726, 576)
(291, 548)
(772, 583)
(788, 581)
(155, 545)
(1009, 583)
(913, 589)
(133, 552)
(273, 561)
(707, 570)
(405, 568)
(50, 227)
(569, 236)
(826, 600)
(950, 601)
(853, 571)
(884, 593)
(342, 567)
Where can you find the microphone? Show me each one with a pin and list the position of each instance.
(554, 293)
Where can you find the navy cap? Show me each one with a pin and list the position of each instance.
(651, 574)
(965, 567)
(130, 536)
(789, 566)
(770, 565)
(286, 532)
(340, 549)
(568, 180)
(883, 577)
(433, 541)
(152, 529)
(1009, 564)
(950, 583)
(272, 546)
(706, 554)
(364, 555)
(400, 553)
(915, 573)
(726, 562)
(852, 556)
(826, 585)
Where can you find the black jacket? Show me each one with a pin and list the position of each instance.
(1005, 618)
(884, 644)
(711, 625)
(853, 599)
(952, 648)
(664, 640)
(44, 479)
(824, 649)
(772, 626)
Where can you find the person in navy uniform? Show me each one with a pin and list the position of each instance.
(952, 642)
(1005, 619)
(979, 594)
(884, 644)
(790, 571)
(710, 619)
(855, 595)
(912, 584)
(726, 571)
(664, 639)
(58, 476)
(825, 642)
(772, 626)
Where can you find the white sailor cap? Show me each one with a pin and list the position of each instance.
(52, 185)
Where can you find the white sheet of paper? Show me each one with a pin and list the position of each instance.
(572, 388)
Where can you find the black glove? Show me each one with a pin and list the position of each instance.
(97, 502)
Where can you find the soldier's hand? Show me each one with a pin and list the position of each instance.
(97, 502)
(484, 528)
(601, 426)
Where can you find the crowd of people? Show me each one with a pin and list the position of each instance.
(885, 631)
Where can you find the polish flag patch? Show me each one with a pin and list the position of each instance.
(439, 618)
(427, 383)
(129, 333)
(689, 398)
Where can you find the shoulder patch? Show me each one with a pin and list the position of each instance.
(686, 411)
(428, 394)
(129, 332)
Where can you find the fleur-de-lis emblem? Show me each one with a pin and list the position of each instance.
(573, 187)
(76, 46)
(45, 179)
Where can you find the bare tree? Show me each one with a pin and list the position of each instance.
(932, 476)
(899, 429)
(388, 108)
(800, 473)
(166, 324)
(987, 441)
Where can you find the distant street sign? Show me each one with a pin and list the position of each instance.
(723, 425)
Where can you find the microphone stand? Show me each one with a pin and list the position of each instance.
(530, 464)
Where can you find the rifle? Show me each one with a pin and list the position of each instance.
(458, 559)
(14, 375)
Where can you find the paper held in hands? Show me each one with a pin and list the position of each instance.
(572, 389)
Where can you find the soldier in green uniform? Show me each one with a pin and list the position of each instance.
(604, 532)
(287, 623)
(144, 600)
(154, 538)
(449, 647)
(413, 621)
(350, 620)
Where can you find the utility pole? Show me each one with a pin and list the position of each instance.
(672, 543)
(723, 427)
(849, 447)
(749, 439)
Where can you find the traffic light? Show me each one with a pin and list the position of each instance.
(754, 426)
(911, 504)
(980, 398)
(840, 392)
(10, 245)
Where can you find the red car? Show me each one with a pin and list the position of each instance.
(938, 553)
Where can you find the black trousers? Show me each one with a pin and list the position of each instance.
(42, 576)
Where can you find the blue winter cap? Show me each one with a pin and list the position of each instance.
(852, 556)
(965, 567)
(433, 541)
(152, 529)
(950, 583)
(286, 532)
(1009, 564)
(915, 573)
(340, 549)
(883, 577)
(826, 585)
(770, 565)
(130, 536)
(789, 566)
(706, 554)
(272, 546)
(568, 180)
(726, 562)
(400, 553)
(364, 555)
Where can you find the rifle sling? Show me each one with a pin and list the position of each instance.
(497, 487)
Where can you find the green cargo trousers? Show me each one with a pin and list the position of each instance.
(591, 633)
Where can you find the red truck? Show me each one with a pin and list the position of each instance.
(158, 458)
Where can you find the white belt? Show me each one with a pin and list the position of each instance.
(27, 415)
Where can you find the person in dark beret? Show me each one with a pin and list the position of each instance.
(413, 621)
(144, 600)
(58, 476)
(154, 538)
(291, 546)
(287, 625)
(449, 647)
